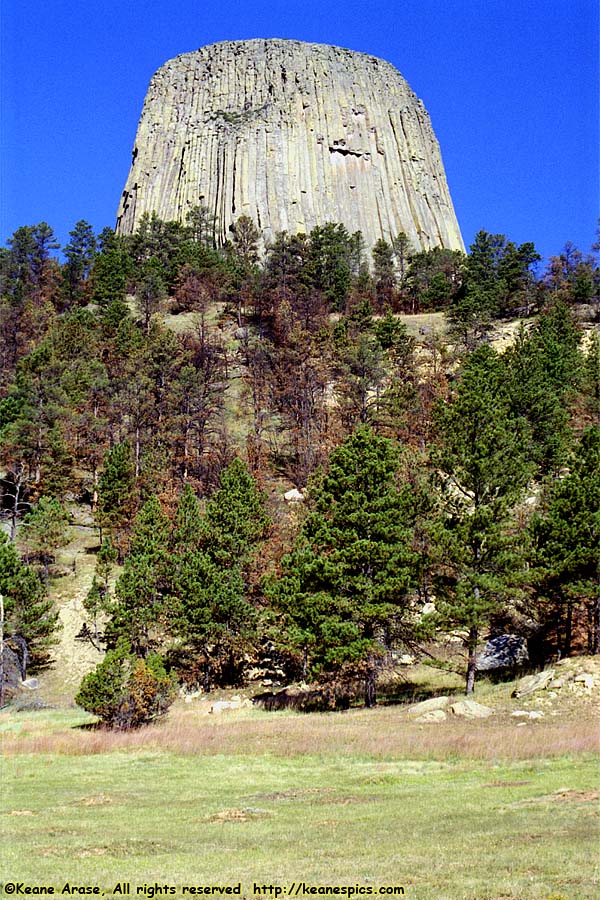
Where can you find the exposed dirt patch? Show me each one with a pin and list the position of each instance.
(294, 794)
(563, 795)
(99, 800)
(238, 815)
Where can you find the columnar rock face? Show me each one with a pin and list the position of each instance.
(292, 135)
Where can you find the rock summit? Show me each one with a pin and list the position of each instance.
(292, 135)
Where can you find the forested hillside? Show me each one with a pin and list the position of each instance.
(176, 391)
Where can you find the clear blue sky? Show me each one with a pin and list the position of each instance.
(512, 87)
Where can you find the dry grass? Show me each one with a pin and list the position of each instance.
(380, 734)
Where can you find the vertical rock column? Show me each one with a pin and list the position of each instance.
(293, 135)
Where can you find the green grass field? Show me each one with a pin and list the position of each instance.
(462, 810)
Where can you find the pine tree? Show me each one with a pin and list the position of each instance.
(481, 460)
(45, 530)
(80, 253)
(209, 609)
(116, 494)
(126, 691)
(28, 611)
(384, 273)
(138, 613)
(188, 525)
(235, 519)
(344, 590)
(591, 378)
(566, 543)
(543, 370)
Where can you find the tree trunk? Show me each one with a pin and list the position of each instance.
(137, 451)
(596, 622)
(305, 663)
(568, 629)
(472, 661)
(370, 685)
(15, 506)
(207, 669)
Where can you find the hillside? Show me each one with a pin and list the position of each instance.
(204, 452)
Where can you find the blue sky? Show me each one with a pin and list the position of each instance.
(512, 87)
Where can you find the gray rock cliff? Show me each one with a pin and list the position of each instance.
(292, 135)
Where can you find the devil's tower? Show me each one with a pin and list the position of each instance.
(292, 135)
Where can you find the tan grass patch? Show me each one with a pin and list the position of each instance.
(381, 733)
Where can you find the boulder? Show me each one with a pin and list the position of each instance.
(527, 714)
(558, 683)
(406, 660)
(470, 709)
(12, 678)
(220, 706)
(293, 496)
(507, 651)
(532, 683)
(426, 706)
(586, 679)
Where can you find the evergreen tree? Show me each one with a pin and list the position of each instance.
(566, 544)
(28, 611)
(79, 253)
(434, 278)
(202, 225)
(235, 518)
(188, 525)
(211, 615)
(481, 459)
(45, 530)
(591, 378)
(150, 290)
(344, 589)
(543, 370)
(209, 609)
(138, 613)
(328, 264)
(364, 372)
(34, 439)
(116, 494)
(384, 273)
(245, 241)
(126, 691)
(27, 268)
(111, 269)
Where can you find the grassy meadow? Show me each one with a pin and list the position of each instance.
(481, 810)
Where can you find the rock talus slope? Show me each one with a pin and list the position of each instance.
(292, 135)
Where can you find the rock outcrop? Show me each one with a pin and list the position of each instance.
(292, 135)
(503, 653)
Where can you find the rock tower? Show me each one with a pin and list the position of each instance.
(293, 135)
